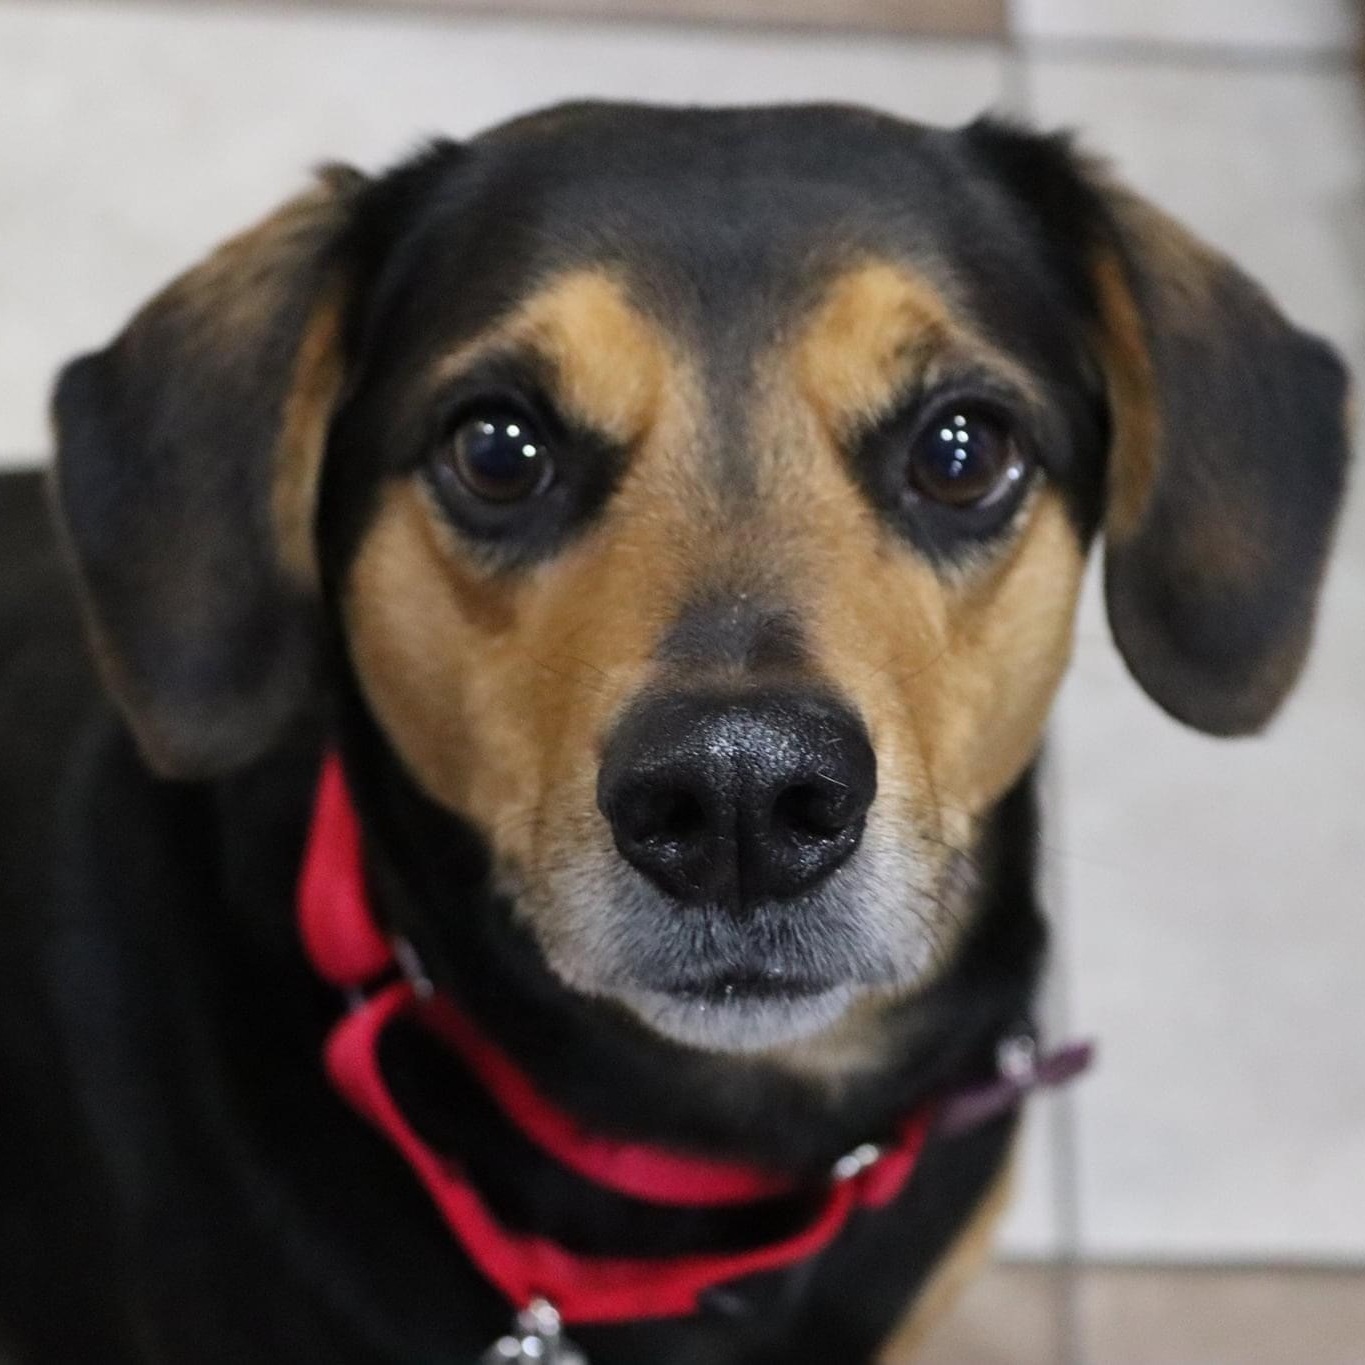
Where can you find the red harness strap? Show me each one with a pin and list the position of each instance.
(346, 948)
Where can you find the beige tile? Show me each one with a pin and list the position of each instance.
(1214, 889)
(1011, 1315)
(1281, 24)
(1036, 1225)
(1213, 1317)
(133, 136)
(1023, 1315)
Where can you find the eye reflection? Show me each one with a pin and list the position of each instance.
(498, 457)
(966, 458)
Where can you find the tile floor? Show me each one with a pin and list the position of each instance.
(1106, 1315)
(1209, 895)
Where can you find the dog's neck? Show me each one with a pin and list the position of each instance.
(600, 1065)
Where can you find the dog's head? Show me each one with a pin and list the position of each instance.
(700, 500)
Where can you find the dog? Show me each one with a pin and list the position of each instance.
(519, 809)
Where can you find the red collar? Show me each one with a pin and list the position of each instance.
(347, 948)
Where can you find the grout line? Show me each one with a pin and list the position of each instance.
(1062, 1120)
(1062, 1133)
(1066, 1174)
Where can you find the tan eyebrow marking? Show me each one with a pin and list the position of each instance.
(878, 326)
(608, 364)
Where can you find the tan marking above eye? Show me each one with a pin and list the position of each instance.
(608, 365)
(875, 324)
(879, 327)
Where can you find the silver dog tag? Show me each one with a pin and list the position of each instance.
(537, 1338)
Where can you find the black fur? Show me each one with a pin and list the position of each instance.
(178, 1182)
(181, 1183)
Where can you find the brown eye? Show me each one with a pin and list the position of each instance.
(498, 457)
(965, 457)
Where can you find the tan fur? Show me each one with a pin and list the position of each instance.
(880, 326)
(225, 304)
(318, 374)
(499, 689)
(1131, 378)
(954, 671)
(959, 1266)
(875, 330)
(608, 363)
(1182, 273)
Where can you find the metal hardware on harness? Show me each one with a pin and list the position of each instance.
(537, 1338)
(865, 1155)
(1016, 1058)
(410, 964)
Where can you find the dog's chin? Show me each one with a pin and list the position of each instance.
(782, 975)
(736, 1021)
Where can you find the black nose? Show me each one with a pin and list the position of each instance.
(736, 800)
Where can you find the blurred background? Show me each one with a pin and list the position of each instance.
(1201, 1197)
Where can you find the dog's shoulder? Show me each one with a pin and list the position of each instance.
(48, 696)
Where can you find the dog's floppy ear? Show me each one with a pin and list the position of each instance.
(1228, 449)
(188, 454)
(1226, 470)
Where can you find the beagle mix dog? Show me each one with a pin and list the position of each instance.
(615, 570)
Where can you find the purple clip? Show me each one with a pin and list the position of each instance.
(1021, 1072)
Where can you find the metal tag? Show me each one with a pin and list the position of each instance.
(537, 1338)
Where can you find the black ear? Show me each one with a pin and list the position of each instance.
(1228, 451)
(1227, 468)
(188, 454)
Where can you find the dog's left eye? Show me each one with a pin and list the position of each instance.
(965, 457)
(499, 457)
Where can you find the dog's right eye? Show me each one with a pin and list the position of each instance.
(495, 457)
(509, 473)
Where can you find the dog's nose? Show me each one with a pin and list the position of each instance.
(735, 800)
